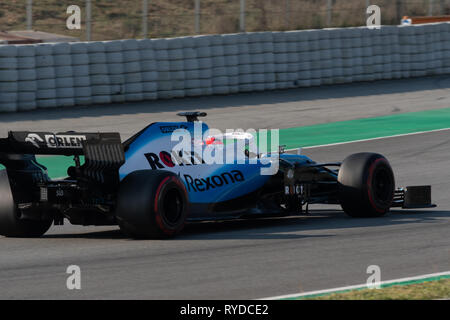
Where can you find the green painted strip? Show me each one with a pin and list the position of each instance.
(368, 128)
(326, 133)
(382, 286)
(56, 165)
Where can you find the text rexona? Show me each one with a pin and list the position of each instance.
(204, 184)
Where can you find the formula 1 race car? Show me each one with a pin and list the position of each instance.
(150, 189)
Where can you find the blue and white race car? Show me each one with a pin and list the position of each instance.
(151, 187)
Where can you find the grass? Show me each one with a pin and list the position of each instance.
(438, 289)
(168, 18)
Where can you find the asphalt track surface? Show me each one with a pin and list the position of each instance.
(259, 258)
(261, 110)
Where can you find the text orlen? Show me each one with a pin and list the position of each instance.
(64, 141)
(56, 141)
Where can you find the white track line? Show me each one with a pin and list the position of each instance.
(359, 286)
(370, 139)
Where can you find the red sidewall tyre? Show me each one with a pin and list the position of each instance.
(366, 185)
(152, 204)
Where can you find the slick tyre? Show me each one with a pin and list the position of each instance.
(11, 225)
(152, 204)
(366, 185)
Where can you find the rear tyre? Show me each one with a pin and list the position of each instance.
(152, 204)
(10, 223)
(366, 185)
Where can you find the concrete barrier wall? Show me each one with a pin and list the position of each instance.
(65, 74)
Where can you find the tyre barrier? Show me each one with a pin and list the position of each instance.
(65, 74)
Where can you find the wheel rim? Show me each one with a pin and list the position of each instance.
(172, 206)
(382, 185)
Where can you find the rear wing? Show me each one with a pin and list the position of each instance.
(103, 152)
(63, 143)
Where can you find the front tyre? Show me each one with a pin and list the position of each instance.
(366, 185)
(11, 225)
(152, 204)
